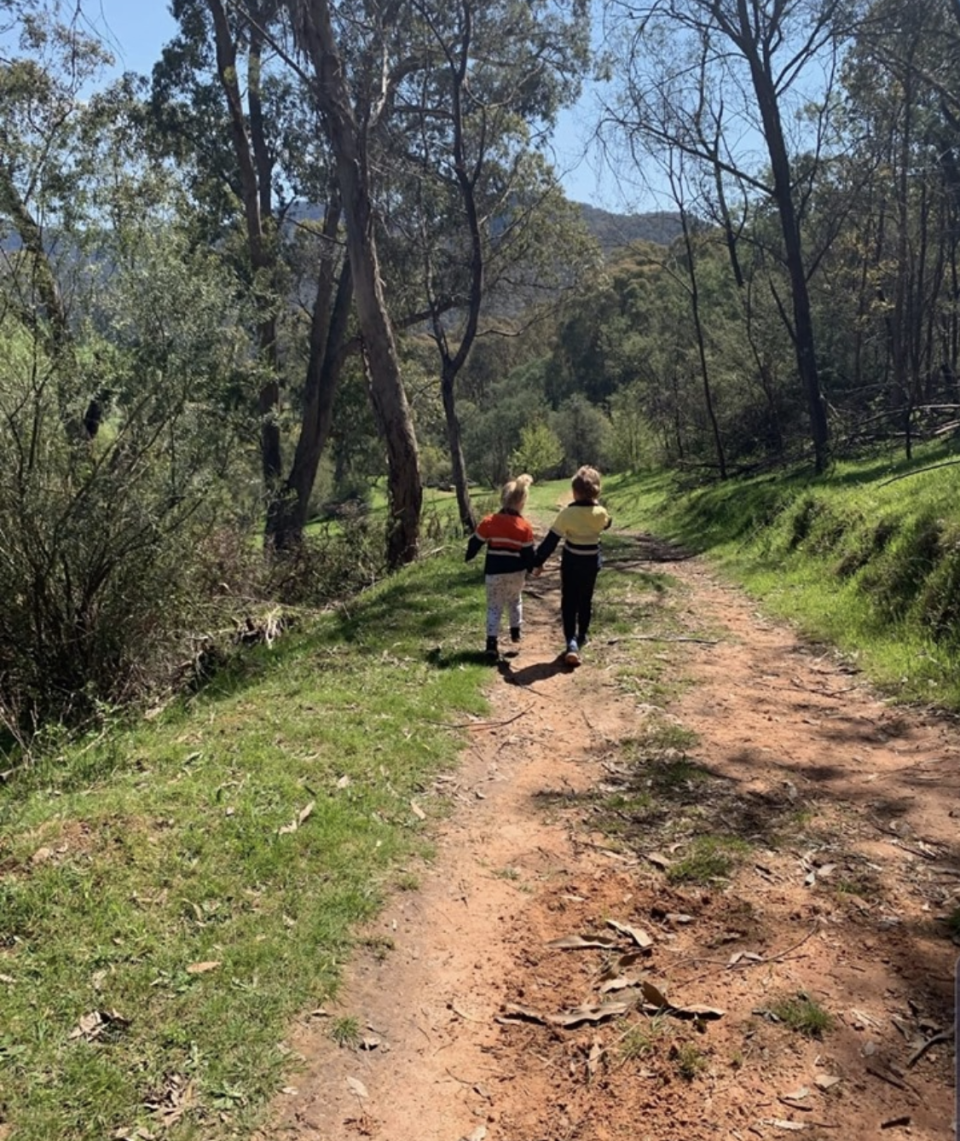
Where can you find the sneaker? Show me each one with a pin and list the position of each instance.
(582, 640)
(514, 633)
(572, 656)
(492, 651)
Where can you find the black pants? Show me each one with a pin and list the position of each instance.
(578, 577)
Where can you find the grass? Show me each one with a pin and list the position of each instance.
(199, 877)
(802, 1014)
(708, 859)
(641, 1039)
(688, 1060)
(345, 1031)
(865, 557)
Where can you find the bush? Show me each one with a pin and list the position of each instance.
(99, 535)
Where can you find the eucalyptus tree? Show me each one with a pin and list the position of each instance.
(356, 63)
(240, 120)
(45, 64)
(903, 106)
(723, 81)
(474, 198)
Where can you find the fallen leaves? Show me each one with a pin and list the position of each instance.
(203, 968)
(302, 816)
(93, 1024)
(567, 1019)
(636, 934)
(175, 1100)
(357, 1087)
(583, 943)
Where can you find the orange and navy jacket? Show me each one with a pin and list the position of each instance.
(509, 539)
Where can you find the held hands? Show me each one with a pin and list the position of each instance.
(536, 572)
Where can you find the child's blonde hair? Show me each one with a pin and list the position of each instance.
(586, 483)
(514, 493)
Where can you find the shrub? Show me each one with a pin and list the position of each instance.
(100, 532)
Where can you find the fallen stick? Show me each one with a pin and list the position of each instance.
(936, 1040)
(477, 724)
(662, 638)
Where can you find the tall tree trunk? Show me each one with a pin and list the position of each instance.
(698, 328)
(254, 167)
(314, 31)
(468, 518)
(287, 515)
(803, 332)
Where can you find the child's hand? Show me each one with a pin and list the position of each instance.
(536, 572)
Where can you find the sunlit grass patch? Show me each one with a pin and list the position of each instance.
(866, 556)
(642, 1038)
(802, 1014)
(708, 859)
(200, 877)
(688, 1060)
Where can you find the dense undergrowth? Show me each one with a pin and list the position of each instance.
(865, 557)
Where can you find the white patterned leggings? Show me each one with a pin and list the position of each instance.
(504, 590)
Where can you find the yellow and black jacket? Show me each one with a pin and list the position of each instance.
(580, 524)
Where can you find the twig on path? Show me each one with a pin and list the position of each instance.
(463, 1014)
(600, 848)
(663, 638)
(897, 842)
(759, 962)
(936, 1040)
(477, 724)
(889, 1079)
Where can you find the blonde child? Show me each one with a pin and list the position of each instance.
(509, 540)
(580, 525)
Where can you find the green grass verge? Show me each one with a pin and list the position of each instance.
(865, 557)
(196, 880)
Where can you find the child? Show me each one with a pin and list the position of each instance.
(580, 525)
(509, 539)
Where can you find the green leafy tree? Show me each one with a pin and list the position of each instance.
(582, 431)
(241, 124)
(540, 452)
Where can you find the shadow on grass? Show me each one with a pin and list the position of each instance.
(450, 661)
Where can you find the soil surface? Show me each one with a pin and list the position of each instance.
(763, 859)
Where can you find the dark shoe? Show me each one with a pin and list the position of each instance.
(492, 650)
(582, 640)
(572, 655)
(514, 633)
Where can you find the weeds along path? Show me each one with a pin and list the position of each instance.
(759, 858)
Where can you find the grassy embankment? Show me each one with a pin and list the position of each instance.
(866, 557)
(195, 879)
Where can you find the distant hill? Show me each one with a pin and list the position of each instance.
(615, 230)
(612, 231)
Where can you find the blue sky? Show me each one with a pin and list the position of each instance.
(135, 31)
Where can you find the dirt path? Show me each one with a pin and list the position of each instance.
(579, 802)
